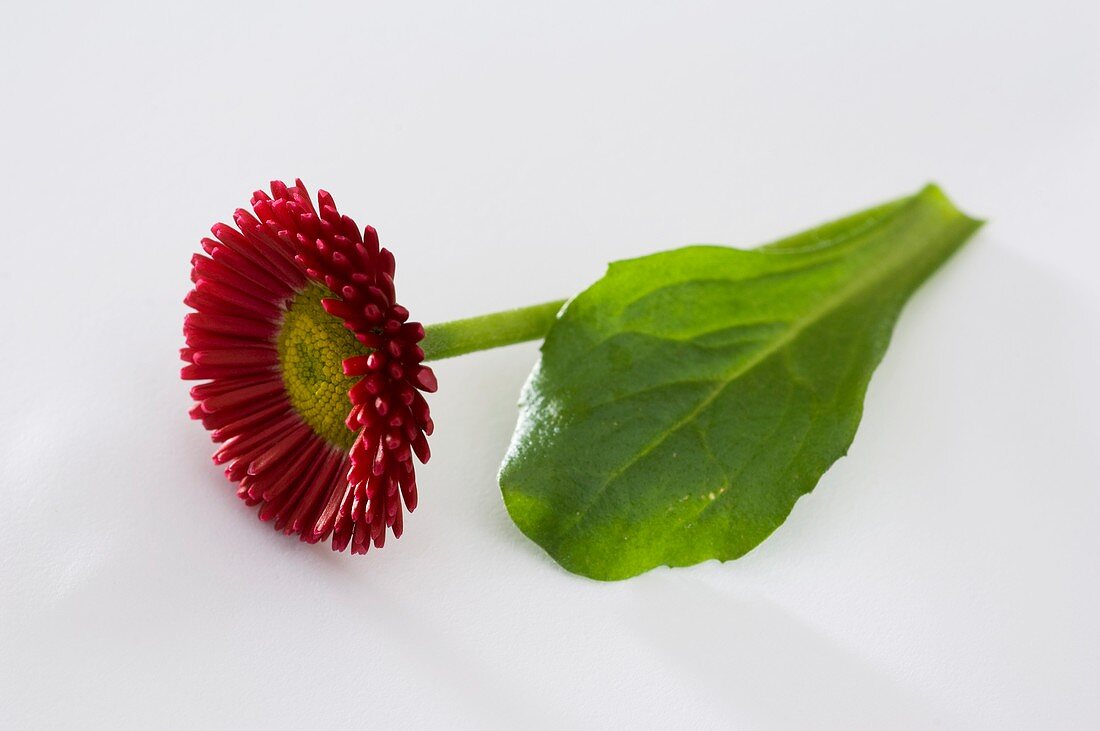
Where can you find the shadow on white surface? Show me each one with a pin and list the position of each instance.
(767, 666)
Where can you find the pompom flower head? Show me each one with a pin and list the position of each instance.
(313, 370)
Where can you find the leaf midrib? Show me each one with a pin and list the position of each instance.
(797, 327)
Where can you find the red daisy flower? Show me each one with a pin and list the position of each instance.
(313, 370)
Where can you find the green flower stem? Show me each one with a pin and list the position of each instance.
(458, 337)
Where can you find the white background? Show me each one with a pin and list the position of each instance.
(945, 574)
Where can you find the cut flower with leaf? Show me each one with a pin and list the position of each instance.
(680, 407)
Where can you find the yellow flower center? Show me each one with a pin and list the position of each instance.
(312, 345)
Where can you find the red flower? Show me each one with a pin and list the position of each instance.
(272, 299)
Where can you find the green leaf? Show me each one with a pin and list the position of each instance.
(684, 402)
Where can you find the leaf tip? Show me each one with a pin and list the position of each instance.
(934, 193)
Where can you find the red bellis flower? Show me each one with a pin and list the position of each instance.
(295, 325)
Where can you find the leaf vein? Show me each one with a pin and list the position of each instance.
(797, 327)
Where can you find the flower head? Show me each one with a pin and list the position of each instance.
(313, 370)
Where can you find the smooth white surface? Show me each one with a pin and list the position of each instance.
(943, 575)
